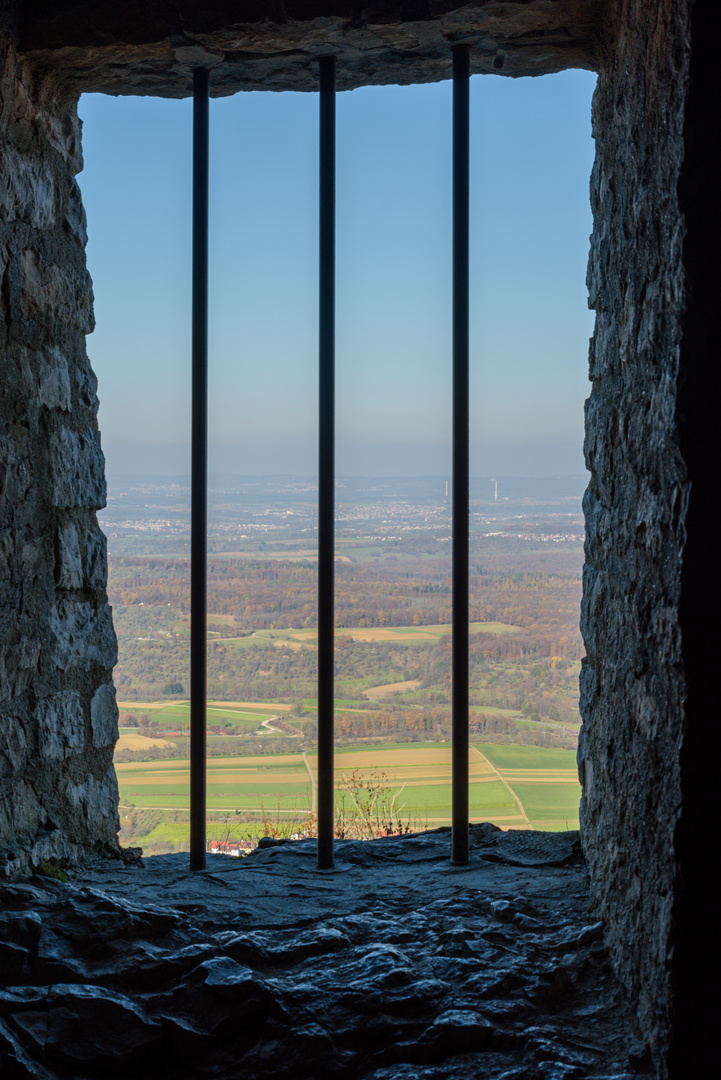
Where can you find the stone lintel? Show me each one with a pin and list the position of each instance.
(151, 47)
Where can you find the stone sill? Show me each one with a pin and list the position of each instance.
(396, 965)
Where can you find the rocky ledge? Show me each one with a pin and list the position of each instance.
(152, 47)
(396, 964)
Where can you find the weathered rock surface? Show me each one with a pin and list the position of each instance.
(152, 48)
(632, 683)
(395, 965)
(57, 646)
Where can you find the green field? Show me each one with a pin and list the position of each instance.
(232, 783)
(416, 779)
(175, 715)
(508, 757)
(544, 779)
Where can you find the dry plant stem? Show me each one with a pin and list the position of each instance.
(374, 813)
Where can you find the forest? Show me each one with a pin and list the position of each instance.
(282, 595)
(526, 663)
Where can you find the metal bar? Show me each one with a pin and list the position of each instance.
(199, 473)
(326, 463)
(461, 506)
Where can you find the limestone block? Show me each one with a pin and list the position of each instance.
(51, 845)
(54, 390)
(88, 387)
(64, 133)
(50, 292)
(96, 559)
(7, 549)
(19, 812)
(20, 657)
(61, 725)
(97, 798)
(75, 214)
(15, 477)
(15, 743)
(104, 716)
(68, 562)
(27, 190)
(44, 289)
(84, 637)
(78, 469)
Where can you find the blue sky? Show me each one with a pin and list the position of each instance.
(531, 159)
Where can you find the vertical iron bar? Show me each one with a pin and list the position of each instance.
(326, 463)
(461, 507)
(199, 473)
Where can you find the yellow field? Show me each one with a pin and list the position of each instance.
(249, 775)
(235, 764)
(249, 705)
(381, 758)
(414, 768)
(391, 633)
(407, 634)
(146, 704)
(379, 633)
(541, 776)
(132, 741)
(391, 688)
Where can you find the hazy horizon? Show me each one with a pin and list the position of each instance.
(564, 458)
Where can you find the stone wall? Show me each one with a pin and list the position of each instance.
(632, 684)
(58, 719)
(153, 46)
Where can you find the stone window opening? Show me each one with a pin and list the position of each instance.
(647, 689)
(199, 859)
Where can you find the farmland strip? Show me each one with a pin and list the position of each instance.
(518, 801)
(313, 794)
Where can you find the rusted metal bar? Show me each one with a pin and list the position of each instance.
(461, 466)
(199, 473)
(326, 464)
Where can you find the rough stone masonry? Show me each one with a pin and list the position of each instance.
(58, 793)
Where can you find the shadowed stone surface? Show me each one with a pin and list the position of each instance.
(632, 682)
(153, 46)
(58, 794)
(395, 965)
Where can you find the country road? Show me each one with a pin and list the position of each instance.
(505, 783)
(313, 796)
(269, 725)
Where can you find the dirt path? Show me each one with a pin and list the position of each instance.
(313, 796)
(505, 784)
(269, 725)
(391, 688)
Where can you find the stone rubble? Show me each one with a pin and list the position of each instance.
(395, 965)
